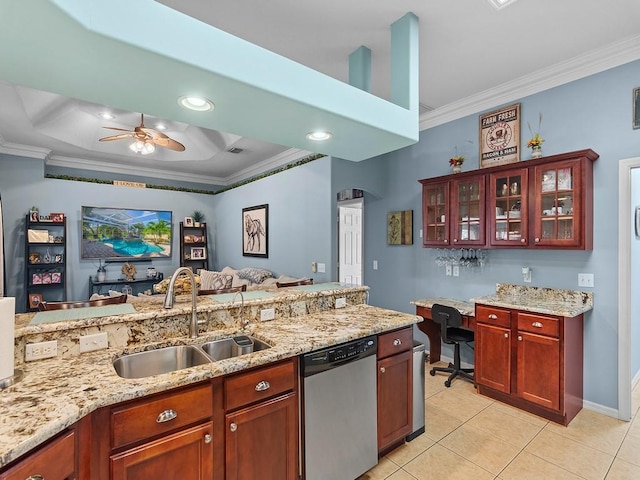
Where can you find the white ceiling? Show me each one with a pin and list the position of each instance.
(472, 57)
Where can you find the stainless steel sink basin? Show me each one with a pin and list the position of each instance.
(170, 359)
(228, 347)
(161, 360)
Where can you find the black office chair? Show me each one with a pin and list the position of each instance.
(450, 321)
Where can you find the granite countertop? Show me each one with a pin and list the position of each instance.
(464, 307)
(55, 393)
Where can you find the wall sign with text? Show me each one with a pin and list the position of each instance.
(500, 136)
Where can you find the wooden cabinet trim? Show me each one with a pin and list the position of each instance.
(55, 460)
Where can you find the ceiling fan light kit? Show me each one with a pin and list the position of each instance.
(144, 139)
(143, 147)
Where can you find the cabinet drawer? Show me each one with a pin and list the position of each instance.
(541, 324)
(147, 418)
(395, 342)
(246, 388)
(493, 316)
(54, 460)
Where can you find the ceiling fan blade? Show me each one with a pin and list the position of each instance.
(155, 134)
(169, 143)
(116, 137)
(119, 129)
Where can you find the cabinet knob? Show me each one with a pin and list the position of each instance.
(397, 342)
(446, 241)
(233, 427)
(34, 477)
(262, 386)
(455, 240)
(493, 316)
(382, 370)
(166, 416)
(506, 335)
(207, 438)
(537, 239)
(537, 324)
(520, 337)
(522, 240)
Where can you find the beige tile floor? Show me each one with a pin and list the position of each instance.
(469, 436)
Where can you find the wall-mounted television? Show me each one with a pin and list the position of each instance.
(125, 234)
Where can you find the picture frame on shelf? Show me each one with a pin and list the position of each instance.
(56, 277)
(188, 221)
(36, 279)
(198, 238)
(255, 231)
(46, 278)
(198, 253)
(188, 239)
(35, 299)
(56, 217)
(500, 136)
(33, 215)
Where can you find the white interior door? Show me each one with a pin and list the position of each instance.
(350, 241)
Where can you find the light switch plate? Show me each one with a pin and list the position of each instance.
(586, 280)
(341, 302)
(321, 267)
(447, 270)
(97, 341)
(267, 314)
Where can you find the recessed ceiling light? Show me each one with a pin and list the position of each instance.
(498, 4)
(106, 116)
(199, 104)
(319, 136)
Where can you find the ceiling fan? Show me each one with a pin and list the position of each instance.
(145, 139)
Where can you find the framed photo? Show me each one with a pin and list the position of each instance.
(636, 107)
(55, 277)
(197, 238)
(188, 239)
(35, 299)
(36, 279)
(400, 228)
(56, 217)
(188, 221)
(255, 231)
(33, 215)
(46, 278)
(198, 253)
(500, 136)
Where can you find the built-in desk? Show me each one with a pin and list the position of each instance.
(432, 329)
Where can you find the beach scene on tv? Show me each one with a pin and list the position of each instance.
(117, 233)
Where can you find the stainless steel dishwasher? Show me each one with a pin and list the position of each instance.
(340, 410)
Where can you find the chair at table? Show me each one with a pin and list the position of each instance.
(306, 281)
(450, 321)
(241, 288)
(46, 306)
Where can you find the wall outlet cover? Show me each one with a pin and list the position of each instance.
(40, 350)
(97, 341)
(341, 302)
(267, 314)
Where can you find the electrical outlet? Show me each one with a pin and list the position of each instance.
(447, 270)
(341, 302)
(375, 264)
(456, 271)
(586, 280)
(420, 233)
(41, 350)
(267, 314)
(97, 341)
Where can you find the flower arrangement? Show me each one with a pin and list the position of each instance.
(456, 161)
(536, 139)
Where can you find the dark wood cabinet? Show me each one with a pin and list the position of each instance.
(530, 360)
(541, 203)
(194, 250)
(261, 423)
(395, 387)
(53, 461)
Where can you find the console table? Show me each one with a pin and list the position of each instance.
(432, 329)
(138, 285)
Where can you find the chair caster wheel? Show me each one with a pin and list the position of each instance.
(432, 372)
(447, 383)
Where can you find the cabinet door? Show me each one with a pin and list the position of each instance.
(493, 357)
(435, 211)
(508, 208)
(395, 398)
(468, 211)
(262, 441)
(187, 455)
(54, 461)
(539, 369)
(558, 216)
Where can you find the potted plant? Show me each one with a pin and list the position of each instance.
(198, 218)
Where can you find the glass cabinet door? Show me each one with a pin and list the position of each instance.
(435, 202)
(557, 207)
(509, 208)
(468, 211)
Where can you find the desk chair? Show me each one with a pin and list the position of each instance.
(450, 321)
(241, 288)
(306, 281)
(46, 306)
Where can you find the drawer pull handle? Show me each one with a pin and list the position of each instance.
(493, 316)
(166, 416)
(207, 438)
(262, 386)
(382, 369)
(397, 342)
(34, 477)
(233, 427)
(537, 324)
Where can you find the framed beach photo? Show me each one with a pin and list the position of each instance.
(255, 231)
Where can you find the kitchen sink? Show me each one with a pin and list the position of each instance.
(170, 359)
(161, 360)
(233, 347)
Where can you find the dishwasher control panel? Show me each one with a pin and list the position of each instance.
(324, 359)
(349, 350)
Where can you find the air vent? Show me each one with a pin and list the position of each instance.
(235, 150)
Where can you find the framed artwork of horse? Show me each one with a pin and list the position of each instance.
(255, 231)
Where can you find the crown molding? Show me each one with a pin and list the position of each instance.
(593, 62)
(283, 158)
(23, 150)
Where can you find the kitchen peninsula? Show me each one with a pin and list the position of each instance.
(56, 394)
